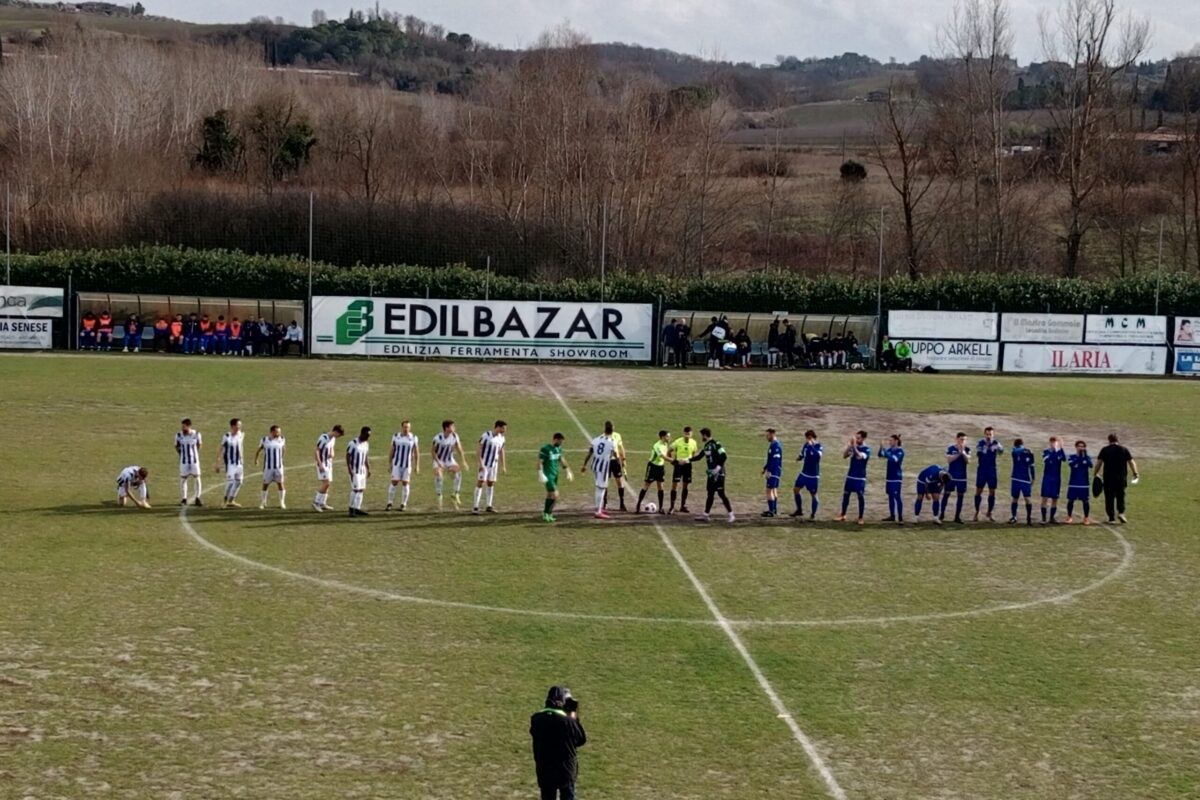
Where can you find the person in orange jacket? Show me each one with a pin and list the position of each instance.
(206, 334)
(235, 337)
(220, 335)
(87, 331)
(177, 334)
(162, 334)
(104, 329)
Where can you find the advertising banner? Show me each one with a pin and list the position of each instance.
(942, 325)
(1126, 329)
(1185, 331)
(25, 334)
(1187, 362)
(31, 301)
(496, 329)
(1066, 328)
(1067, 359)
(954, 354)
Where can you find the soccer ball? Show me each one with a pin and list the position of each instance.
(651, 508)
(730, 348)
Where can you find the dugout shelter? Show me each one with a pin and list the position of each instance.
(757, 324)
(149, 307)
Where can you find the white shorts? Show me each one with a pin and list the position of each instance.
(358, 481)
(325, 473)
(272, 476)
(189, 470)
(234, 472)
(451, 464)
(402, 473)
(488, 474)
(124, 491)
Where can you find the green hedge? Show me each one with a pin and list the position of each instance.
(156, 270)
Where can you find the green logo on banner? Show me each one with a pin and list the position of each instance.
(355, 323)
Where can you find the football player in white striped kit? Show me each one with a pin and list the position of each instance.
(231, 462)
(600, 455)
(187, 445)
(358, 463)
(272, 448)
(445, 446)
(324, 460)
(406, 459)
(490, 453)
(129, 479)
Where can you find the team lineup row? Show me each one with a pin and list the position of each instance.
(606, 457)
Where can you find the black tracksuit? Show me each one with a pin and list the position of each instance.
(556, 738)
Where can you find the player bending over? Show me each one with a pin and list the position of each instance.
(231, 462)
(490, 453)
(772, 472)
(680, 455)
(856, 477)
(358, 464)
(894, 455)
(549, 459)
(599, 457)
(809, 479)
(1079, 482)
(405, 457)
(958, 456)
(272, 447)
(128, 480)
(656, 471)
(187, 445)
(1053, 458)
(931, 485)
(1022, 480)
(714, 456)
(323, 456)
(446, 445)
(987, 476)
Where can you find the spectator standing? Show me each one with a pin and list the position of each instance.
(1113, 465)
(557, 736)
(713, 334)
(162, 335)
(683, 344)
(294, 337)
(133, 334)
(191, 333)
(787, 344)
(669, 334)
(773, 343)
(87, 331)
(104, 330)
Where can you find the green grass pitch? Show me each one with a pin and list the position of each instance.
(279, 654)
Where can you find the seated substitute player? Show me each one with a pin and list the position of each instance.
(681, 456)
(324, 460)
(490, 453)
(549, 459)
(893, 454)
(272, 448)
(1023, 473)
(773, 472)
(232, 462)
(130, 479)
(187, 445)
(1053, 458)
(445, 446)
(856, 477)
(599, 456)
(1079, 482)
(931, 485)
(358, 464)
(958, 455)
(656, 470)
(405, 457)
(714, 456)
(809, 479)
(987, 476)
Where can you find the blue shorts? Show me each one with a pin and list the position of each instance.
(986, 481)
(1079, 493)
(772, 481)
(895, 486)
(1021, 489)
(1051, 490)
(957, 485)
(924, 488)
(808, 484)
(855, 485)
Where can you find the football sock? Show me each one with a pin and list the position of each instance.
(283, 497)
(1070, 507)
(264, 497)
(708, 501)
(958, 506)
(937, 508)
(673, 495)
(683, 497)
(978, 502)
(917, 507)
(621, 494)
(862, 504)
(491, 493)
(1043, 513)
(199, 487)
(404, 493)
(183, 489)
(991, 503)
(773, 506)
(478, 495)
(660, 499)
(600, 492)
(457, 482)
(1053, 512)
(391, 494)
(1029, 512)
(1014, 509)
(1087, 509)
(641, 497)
(799, 502)
(548, 505)
(725, 500)
(438, 484)
(845, 502)
(228, 491)
(815, 505)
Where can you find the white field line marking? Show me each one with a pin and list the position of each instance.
(832, 786)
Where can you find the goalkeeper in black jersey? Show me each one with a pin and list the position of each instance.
(714, 457)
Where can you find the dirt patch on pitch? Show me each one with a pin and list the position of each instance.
(575, 384)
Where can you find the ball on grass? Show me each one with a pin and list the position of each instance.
(651, 508)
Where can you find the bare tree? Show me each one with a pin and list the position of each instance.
(1092, 50)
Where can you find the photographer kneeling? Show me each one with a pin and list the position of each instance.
(557, 734)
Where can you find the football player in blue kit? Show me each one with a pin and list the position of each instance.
(987, 476)
(1022, 480)
(1053, 458)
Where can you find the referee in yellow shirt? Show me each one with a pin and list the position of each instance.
(656, 470)
(681, 453)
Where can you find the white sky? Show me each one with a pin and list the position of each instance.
(738, 30)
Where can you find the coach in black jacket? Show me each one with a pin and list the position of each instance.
(557, 735)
